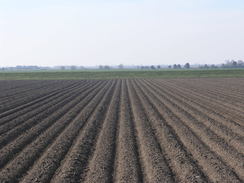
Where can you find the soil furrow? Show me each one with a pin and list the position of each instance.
(100, 167)
(73, 165)
(36, 110)
(213, 91)
(227, 153)
(184, 166)
(222, 104)
(128, 164)
(122, 130)
(35, 105)
(209, 105)
(234, 139)
(155, 164)
(19, 165)
(21, 101)
(13, 148)
(45, 167)
(212, 164)
(206, 108)
(30, 123)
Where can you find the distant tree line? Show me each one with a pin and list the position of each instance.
(152, 67)
(233, 64)
(178, 66)
(104, 67)
(227, 64)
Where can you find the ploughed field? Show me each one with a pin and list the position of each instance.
(136, 130)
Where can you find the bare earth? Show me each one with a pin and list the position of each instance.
(136, 130)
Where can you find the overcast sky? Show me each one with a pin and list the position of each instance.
(139, 32)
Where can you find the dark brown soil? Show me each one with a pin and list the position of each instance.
(137, 130)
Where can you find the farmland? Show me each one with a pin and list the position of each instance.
(122, 130)
(119, 74)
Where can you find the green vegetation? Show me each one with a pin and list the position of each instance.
(113, 74)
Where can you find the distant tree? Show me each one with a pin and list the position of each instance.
(158, 67)
(120, 66)
(81, 67)
(169, 66)
(206, 66)
(187, 66)
(240, 63)
(175, 66)
(213, 66)
(100, 67)
(152, 67)
(106, 67)
(233, 63)
(179, 66)
(73, 67)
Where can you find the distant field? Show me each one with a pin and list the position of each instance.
(115, 74)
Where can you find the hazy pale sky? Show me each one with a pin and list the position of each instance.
(139, 32)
